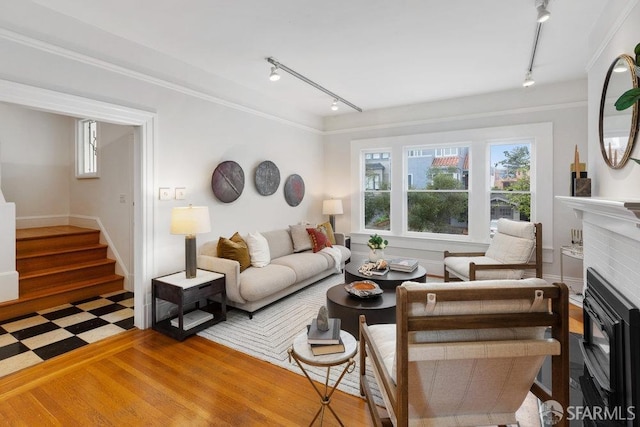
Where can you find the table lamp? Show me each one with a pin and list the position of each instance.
(190, 221)
(332, 208)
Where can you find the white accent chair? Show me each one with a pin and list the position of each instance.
(467, 354)
(508, 256)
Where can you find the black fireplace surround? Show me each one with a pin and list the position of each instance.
(611, 351)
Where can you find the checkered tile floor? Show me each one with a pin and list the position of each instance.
(32, 338)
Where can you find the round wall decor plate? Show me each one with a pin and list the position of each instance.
(294, 190)
(267, 178)
(227, 181)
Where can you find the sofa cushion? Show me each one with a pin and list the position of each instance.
(384, 340)
(236, 249)
(300, 238)
(460, 267)
(319, 240)
(258, 250)
(327, 229)
(305, 264)
(258, 283)
(280, 243)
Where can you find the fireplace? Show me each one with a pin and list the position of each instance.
(611, 351)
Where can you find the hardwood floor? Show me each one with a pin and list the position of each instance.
(146, 378)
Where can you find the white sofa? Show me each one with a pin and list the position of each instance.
(287, 271)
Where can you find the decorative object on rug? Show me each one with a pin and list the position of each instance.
(227, 181)
(363, 289)
(332, 207)
(267, 178)
(323, 319)
(581, 185)
(618, 126)
(376, 245)
(294, 190)
(190, 221)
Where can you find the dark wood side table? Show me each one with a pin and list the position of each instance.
(348, 308)
(390, 280)
(176, 288)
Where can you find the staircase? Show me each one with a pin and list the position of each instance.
(58, 265)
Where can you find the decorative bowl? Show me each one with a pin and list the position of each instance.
(363, 289)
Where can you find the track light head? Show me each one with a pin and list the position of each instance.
(274, 76)
(334, 105)
(528, 80)
(543, 13)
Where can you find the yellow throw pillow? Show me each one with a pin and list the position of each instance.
(326, 228)
(236, 249)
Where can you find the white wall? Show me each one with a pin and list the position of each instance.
(35, 153)
(109, 198)
(193, 133)
(616, 32)
(564, 105)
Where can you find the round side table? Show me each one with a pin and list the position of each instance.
(301, 352)
(379, 309)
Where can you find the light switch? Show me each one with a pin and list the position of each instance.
(165, 193)
(181, 193)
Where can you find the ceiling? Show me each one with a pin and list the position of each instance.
(373, 53)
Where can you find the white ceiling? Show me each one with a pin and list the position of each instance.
(374, 53)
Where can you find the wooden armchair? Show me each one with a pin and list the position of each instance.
(508, 255)
(467, 354)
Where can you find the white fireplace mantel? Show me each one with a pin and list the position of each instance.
(611, 239)
(619, 210)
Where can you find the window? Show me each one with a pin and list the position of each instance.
(453, 185)
(377, 190)
(509, 174)
(87, 149)
(438, 199)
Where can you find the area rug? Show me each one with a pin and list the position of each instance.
(269, 335)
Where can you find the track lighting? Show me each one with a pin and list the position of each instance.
(528, 80)
(278, 66)
(274, 76)
(543, 13)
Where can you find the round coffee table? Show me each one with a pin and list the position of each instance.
(348, 308)
(390, 280)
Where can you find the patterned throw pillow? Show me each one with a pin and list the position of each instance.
(236, 249)
(326, 228)
(319, 240)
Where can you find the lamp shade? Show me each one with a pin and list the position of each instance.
(332, 207)
(190, 220)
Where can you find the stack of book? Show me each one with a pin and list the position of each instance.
(325, 342)
(406, 265)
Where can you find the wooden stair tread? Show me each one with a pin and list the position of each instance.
(60, 251)
(58, 230)
(71, 286)
(74, 267)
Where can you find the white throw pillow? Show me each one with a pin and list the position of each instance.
(300, 237)
(258, 249)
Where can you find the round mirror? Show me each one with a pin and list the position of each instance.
(618, 128)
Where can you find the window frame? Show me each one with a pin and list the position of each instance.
(82, 147)
(541, 186)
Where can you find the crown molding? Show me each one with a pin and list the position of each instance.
(166, 84)
(483, 115)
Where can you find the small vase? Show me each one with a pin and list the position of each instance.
(376, 254)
